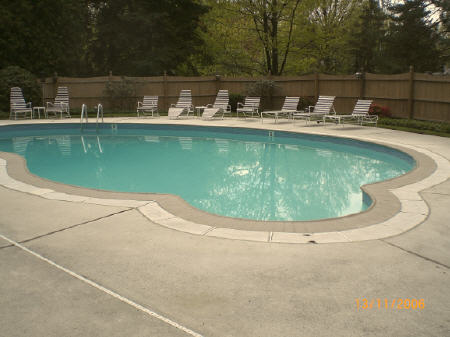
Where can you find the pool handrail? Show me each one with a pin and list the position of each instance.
(83, 114)
(99, 111)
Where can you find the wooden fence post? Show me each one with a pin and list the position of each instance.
(316, 86)
(42, 82)
(55, 83)
(270, 93)
(411, 93)
(217, 83)
(362, 90)
(165, 98)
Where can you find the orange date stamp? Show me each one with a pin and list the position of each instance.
(384, 303)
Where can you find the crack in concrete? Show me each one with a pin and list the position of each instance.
(75, 225)
(416, 254)
(438, 193)
(7, 246)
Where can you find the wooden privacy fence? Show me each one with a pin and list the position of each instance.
(409, 95)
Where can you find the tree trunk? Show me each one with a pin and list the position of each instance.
(274, 38)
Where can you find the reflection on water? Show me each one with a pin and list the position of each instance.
(245, 179)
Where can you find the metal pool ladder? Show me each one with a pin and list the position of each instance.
(99, 112)
(83, 114)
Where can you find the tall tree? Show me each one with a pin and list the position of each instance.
(144, 37)
(256, 35)
(330, 22)
(44, 36)
(366, 37)
(412, 39)
(269, 17)
(443, 10)
(231, 45)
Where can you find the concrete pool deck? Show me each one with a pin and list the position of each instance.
(183, 282)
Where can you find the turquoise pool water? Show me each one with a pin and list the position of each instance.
(241, 173)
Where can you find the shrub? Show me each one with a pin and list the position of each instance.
(14, 76)
(305, 102)
(234, 99)
(415, 124)
(121, 95)
(380, 111)
(263, 89)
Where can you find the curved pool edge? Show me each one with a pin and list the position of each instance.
(410, 211)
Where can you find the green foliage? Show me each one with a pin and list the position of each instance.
(261, 88)
(305, 102)
(121, 94)
(412, 39)
(416, 125)
(264, 89)
(18, 77)
(328, 36)
(366, 39)
(331, 24)
(44, 36)
(230, 43)
(234, 99)
(207, 37)
(145, 37)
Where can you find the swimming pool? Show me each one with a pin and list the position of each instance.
(234, 172)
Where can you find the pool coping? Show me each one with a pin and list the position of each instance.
(401, 208)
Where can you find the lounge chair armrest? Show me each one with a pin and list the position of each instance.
(228, 108)
(139, 104)
(29, 105)
(49, 104)
(240, 105)
(173, 105)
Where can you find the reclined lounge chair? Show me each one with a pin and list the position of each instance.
(220, 106)
(360, 114)
(289, 107)
(183, 106)
(323, 107)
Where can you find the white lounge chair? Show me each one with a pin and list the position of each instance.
(184, 105)
(220, 106)
(289, 107)
(359, 115)
(249, 107)
(148, 105)
(60, 104)
(324, 106)
(18, 106)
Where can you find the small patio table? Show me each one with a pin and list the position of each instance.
(37, 109)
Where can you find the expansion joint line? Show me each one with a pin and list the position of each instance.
(75, 225)
(103, 289)
(7, 246)
(416, 254)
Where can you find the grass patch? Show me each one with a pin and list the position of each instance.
(417, 126)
